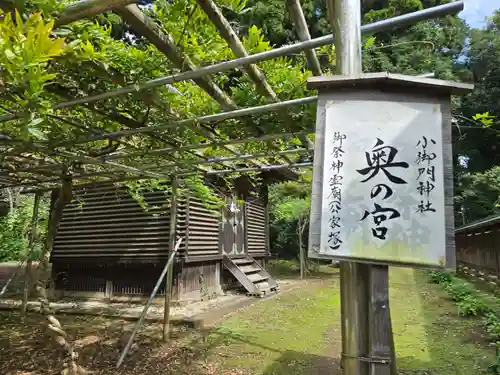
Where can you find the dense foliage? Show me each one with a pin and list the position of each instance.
(15, 230)
(42, 65)
(289, 216)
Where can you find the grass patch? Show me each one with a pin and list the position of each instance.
(285, 335)
(290, 269)
(299, 332)
(430, 335)
(472, 302)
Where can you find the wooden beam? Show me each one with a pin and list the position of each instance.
(88, 8)
(303, 33)
(226, 31)
(28, 276)
(145, 26)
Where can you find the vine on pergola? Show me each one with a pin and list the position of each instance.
(44, 65)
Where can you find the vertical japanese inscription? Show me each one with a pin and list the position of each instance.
(335, 190)
(426, 174)
(382, 159)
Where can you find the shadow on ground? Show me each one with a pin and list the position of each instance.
(287, 362)
(287, 269)
(297, 363)
(27, 349)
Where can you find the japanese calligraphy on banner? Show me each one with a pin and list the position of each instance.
(383, 182)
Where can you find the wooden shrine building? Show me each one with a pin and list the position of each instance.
(478, 251)
(107, 245)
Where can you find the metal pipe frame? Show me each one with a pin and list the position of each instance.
(204, 119)
(172, 166)
(399, 21)
(241, 157)
(91, 7)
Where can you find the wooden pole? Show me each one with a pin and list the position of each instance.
(345, 18)
(169, 279)
(382, 352)
(31, 243)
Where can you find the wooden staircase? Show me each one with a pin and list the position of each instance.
(255, 279)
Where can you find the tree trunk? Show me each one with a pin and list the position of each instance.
(65, 196)
(28, 276)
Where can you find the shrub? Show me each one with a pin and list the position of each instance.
(440, 277)
(471, 302)
(472, 306)
(458, 290)
(492, 323)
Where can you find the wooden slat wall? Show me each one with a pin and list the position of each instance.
(197, 278)
(256, 222)
(106, 222)
(130, 279)
(80, 277)
(181, 224)
(478, 254)
(202, 233)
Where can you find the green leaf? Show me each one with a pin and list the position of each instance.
(37, 133)
(370, 42)
(9, 54)
(485, 118)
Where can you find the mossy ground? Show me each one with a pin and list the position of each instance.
(297, 332)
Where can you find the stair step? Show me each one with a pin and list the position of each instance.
(251, 276)
(242, 261)
(262, 285)
(255, 278)
(249, 269)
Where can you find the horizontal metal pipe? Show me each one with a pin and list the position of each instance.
(125, 168)
(180, 174)
(218, 117)
(228, 158)
(242, 170)
(266, 137)
(150, 168)
(197, 146)
(201, 120)
(399, 21)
